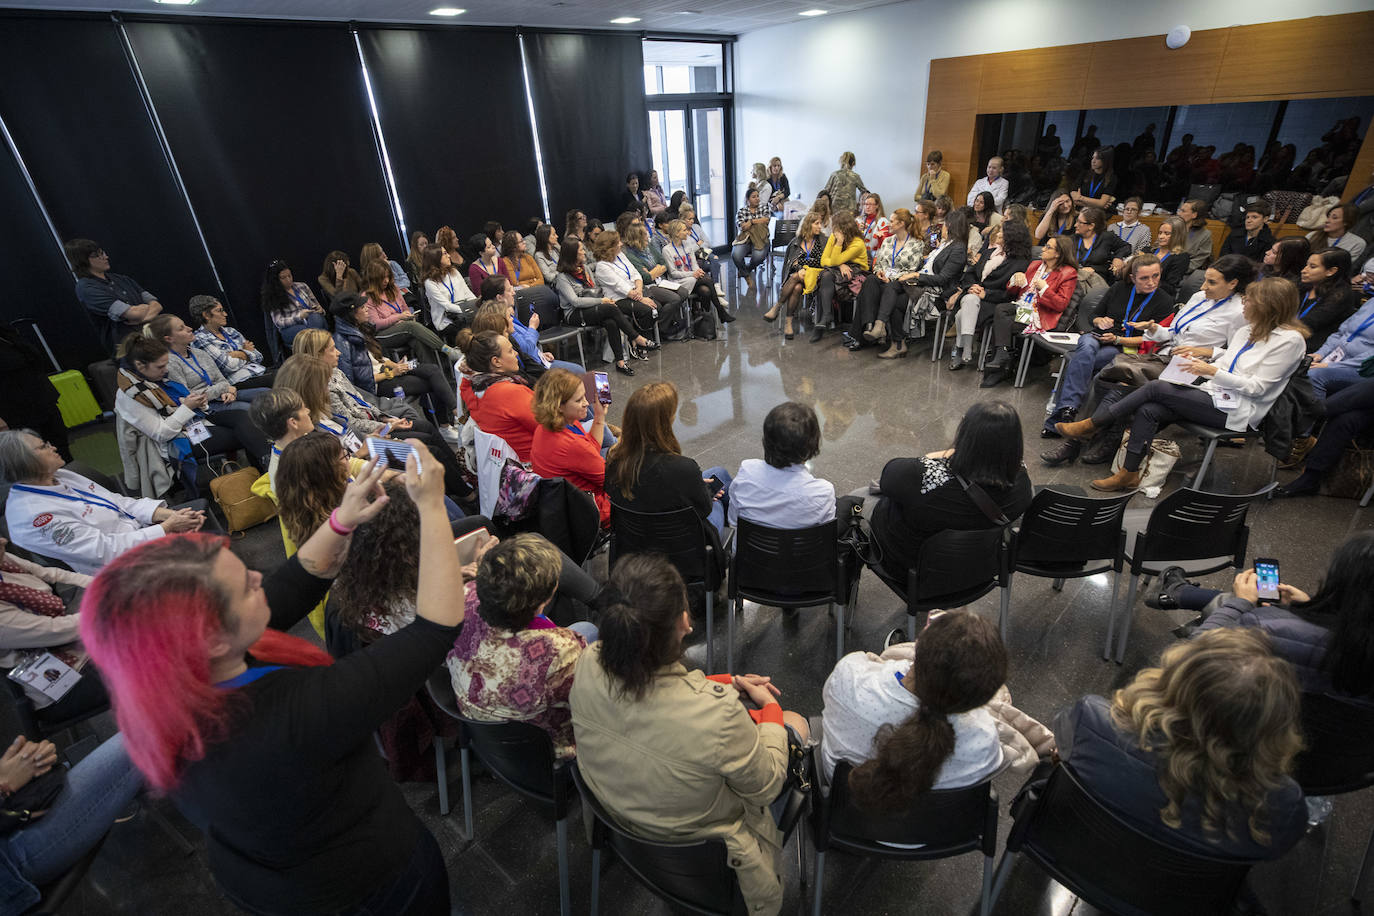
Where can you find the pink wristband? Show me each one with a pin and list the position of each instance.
(337, 528)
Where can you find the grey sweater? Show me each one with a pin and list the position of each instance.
(194, 369)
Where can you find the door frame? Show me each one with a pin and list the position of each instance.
(695, 101)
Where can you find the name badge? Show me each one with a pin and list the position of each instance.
(1224, 399)
(196, 432)
(351, 443)
(1335, 356)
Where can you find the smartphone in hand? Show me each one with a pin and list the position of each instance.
(392, 453)
(1267, 578)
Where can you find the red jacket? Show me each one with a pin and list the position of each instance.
(1050, 304)
(572, 453)
(504, 409)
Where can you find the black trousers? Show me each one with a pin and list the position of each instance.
(614, 319)
(878, 300)
(426, 379)
(1349, 412)
(1004, 323)
(1156, 405)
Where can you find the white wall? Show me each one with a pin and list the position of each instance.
(809, 90)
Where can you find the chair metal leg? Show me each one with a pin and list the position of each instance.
(819, 893)
(596, 881)
(910, 627)
(985, 901)
(983, 347)
(937, 343)
(999, 879)
(710, 631)
(465, 761)
(1111, 623)
(581, 354)
(731, 607)
(1355, 895)
(1206, 460)
(1368, 495)
(1004, 613)
(1023, 367)
(1127, 618)
(801, 856)
(564, 893)
(441, 773)
(838, 611)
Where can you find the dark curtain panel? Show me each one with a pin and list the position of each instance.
(271, 128)
(41, 284)
(589, 101)
(456, 163)
(74, 109)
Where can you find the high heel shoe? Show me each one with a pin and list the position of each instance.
(624, 369)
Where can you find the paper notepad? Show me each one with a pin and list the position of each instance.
(1177, 373)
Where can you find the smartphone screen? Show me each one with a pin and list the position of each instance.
(467, 545)
(393, 452)
(603, 388)
(1267, 578)
(716, 484)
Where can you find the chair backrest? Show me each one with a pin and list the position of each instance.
(104, 380)
(1339, 756)
(784, 231)
(1114, 865)
(519, 754)
(491, 453)
(1066, 529)
(93, 474)
(678, 534)
(787, 565)
(1191, 524)
(946, 822)
(957, 564)
(694, 876)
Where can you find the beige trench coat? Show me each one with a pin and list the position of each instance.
(686, 762)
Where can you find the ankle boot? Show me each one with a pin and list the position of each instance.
(771, 314)
(787, 328)
(724, 315)
(1301, 446)
(1000, 358)
(877, 332)
(895, 350)
(1121, 480)
(1063, 453)
(1102, 448)
(1079, 429)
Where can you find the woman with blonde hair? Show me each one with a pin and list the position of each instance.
(1197, 751)
(563, 445)
(801, 269)
(1243, 380)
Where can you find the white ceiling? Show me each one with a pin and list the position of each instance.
(727, 17)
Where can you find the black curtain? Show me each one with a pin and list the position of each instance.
(270, 126)
(457, 127)
(588, 95)
(74, 109)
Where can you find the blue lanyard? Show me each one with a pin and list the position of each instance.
(695, 237)
(1091, 249)
(1333, 242)
(449, 286)
(248, 677)
(681, 260)
(1306, 307)
(393, 306)
(300, 300)
(575, 429)
(1360, 330)
(1162, 257)
(1093, 188)
(625, 266)
(90, 499)
(1126, 233)
(1180, 325)
(870, 225)
(1236, 358)
(807, 248)
(1131, 302)
(204, 376)
(895, 250)
(515, 262)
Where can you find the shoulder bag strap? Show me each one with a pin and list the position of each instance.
(984, 502)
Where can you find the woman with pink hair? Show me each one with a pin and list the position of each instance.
(260, 741)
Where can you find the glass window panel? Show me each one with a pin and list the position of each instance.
(686, 66)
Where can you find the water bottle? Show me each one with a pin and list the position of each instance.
(398, 393)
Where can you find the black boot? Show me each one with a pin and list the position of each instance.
(1063, 453)
(1101, 448)
(1001, 357)
(724, 314)
(1062, 415)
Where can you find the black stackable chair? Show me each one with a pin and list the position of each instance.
(782, 568)
(944, 822)
(956, 568)
(1112, 864)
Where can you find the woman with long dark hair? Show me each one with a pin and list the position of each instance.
(290, 304)
(1327, 296)
(1098, 187)
(1286, 258)
(674, 754)
(260, 741)
(585, 305)
(451, 300)
(919, 497)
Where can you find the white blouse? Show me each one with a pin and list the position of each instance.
(616, 278)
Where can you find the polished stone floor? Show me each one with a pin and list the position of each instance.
(871, 410)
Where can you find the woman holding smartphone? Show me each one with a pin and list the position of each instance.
(564, 446)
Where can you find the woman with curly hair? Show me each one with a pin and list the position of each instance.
(1197, 751)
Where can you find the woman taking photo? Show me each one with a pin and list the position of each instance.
(336, 276)
(919, 497)
(801, 270)
(224, 654)
(986, 287)
(499, 398)
(291, 305)
(672, 757)
(845, 266)
(750, 247)
(451, 300)
(1246, 377)
(532, 296)
(391, 316)
(362, 362)
(1327, 296)
(646, 470)
(883, 294)
(563, 447)
(585, 306)
(237, 358)
(1221, 717)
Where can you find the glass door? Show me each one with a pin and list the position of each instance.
(689, 143)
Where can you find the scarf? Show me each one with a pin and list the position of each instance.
(30, 599)
(481, 381)
(164, 399)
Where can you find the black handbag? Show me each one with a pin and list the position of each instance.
(35, 797)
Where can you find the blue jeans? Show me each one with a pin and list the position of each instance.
(747, 258)
(311, 321)
(98, 790)
(718, 511)
(1090, 358)
(587, 629)
(1327, 380)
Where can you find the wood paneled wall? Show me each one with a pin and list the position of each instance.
(1320, 57)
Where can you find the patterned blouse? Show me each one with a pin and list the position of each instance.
(235, 368)
(907, 260)
(521, 676)
(758, 233)
(303, 302)
(875, 230)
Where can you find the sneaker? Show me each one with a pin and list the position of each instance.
(451, 433)
(896, 637)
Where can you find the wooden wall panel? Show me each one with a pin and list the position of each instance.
(1359, 172)
(1137, 72)
(1042, 79)
(954, 83)
(1323, 56)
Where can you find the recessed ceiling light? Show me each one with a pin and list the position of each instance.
(812, 13)
(447, 11)
(175, 2)
(624, 20)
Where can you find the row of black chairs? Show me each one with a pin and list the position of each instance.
(1060, 826)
